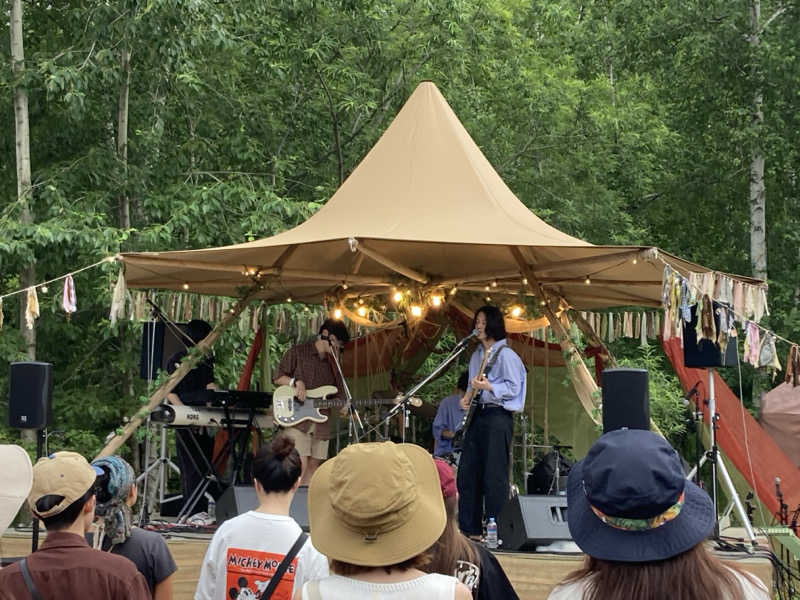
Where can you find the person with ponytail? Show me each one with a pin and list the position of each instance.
(116, 494)
(246, 550)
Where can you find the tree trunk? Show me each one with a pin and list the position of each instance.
(122, 137)
(28, 272)
(758, 195)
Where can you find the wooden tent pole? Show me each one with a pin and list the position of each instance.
(187, 364)
(583, 382)
(594, 339)
(546, 387)
(392, 264)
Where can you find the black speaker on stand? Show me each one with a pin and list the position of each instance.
(30, 393)
(626, 399)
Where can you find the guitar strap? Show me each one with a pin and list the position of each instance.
(489, 367)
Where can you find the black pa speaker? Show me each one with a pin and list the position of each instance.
(626, 399)
(529, 521)
(238, 499)
(29, 395)
(706, 353)
(159, 342)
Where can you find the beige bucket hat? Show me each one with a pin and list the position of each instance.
(376, 504)
(16, 478)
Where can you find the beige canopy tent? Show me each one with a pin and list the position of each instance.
(423, 210)
(425, 207)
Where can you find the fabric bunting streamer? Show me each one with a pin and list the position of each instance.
(118, 299)
(68, 300)
(1, 313)
(32, 308)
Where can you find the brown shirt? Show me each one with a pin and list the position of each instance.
(304, 364)
(65, 567)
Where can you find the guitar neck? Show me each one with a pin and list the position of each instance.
(338, 402)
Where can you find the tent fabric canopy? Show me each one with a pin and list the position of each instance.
(423, 206)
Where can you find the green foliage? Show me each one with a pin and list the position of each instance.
(619, 122)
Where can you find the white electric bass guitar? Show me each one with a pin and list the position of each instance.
(288, 411)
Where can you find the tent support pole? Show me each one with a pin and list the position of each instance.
(392, 264)
(187, 364)
(594, 339)
(583, 382)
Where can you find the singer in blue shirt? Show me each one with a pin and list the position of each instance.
(483, 468)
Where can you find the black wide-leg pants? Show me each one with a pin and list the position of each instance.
(483, 468)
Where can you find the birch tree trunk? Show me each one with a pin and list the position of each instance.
(28, 272)
(758, 194)
(122, 137)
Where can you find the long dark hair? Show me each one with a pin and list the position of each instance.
(692, 575)
(277, 467)
(452, 546)
(495, 325)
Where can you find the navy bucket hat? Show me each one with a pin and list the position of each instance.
(630, 502)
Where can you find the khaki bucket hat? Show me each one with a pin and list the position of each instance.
(376, 504)
(65, 474)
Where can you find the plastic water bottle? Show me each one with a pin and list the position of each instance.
(491, 534)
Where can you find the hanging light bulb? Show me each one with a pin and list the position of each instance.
(43, 289)
(416, 311)
(635, 260)
(486, 288)
(344, 286)
(524, 281)
(289, 299)
(453, 291)
(587, 281)
(494, 283)
(516, 311)
(436, 300)
(397, 296)
(488, 298)
(337, 314)
(361, 301)
(185, 286)
(362, 311)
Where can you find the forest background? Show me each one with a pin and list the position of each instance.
(171, 124)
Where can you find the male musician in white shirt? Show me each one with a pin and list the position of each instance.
(483, 468)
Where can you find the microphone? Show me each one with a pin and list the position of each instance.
(464, 341)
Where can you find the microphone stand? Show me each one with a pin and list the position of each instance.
(354, 419)
(402, 403)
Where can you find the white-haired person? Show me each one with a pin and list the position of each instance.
(247, 551)
(642, 525)
(375, 510)
(116, 493)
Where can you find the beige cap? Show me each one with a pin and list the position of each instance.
(376, 504)
(65, 474)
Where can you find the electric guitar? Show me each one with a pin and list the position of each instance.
(287, 411)
(474, 395)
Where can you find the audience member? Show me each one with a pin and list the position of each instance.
(375, 509)
(455, 554)
(16, 479)
(116, 494)
(642, 525)
(65, 566)
(448, 418)
(246, 550)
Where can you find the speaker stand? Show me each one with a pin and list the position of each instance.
(718, 466)
(161, 465)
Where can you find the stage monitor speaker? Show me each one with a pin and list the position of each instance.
(529, 521)
(705, 353)
(626, 399)
(29, 395)
(238, 499)
(159, 343)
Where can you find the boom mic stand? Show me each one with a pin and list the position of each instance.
(354, 419)
(402, 403)
(717, 465)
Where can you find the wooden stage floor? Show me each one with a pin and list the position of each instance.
(533, 575)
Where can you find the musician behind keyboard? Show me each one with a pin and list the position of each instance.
(305, 367)
(189, 391)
